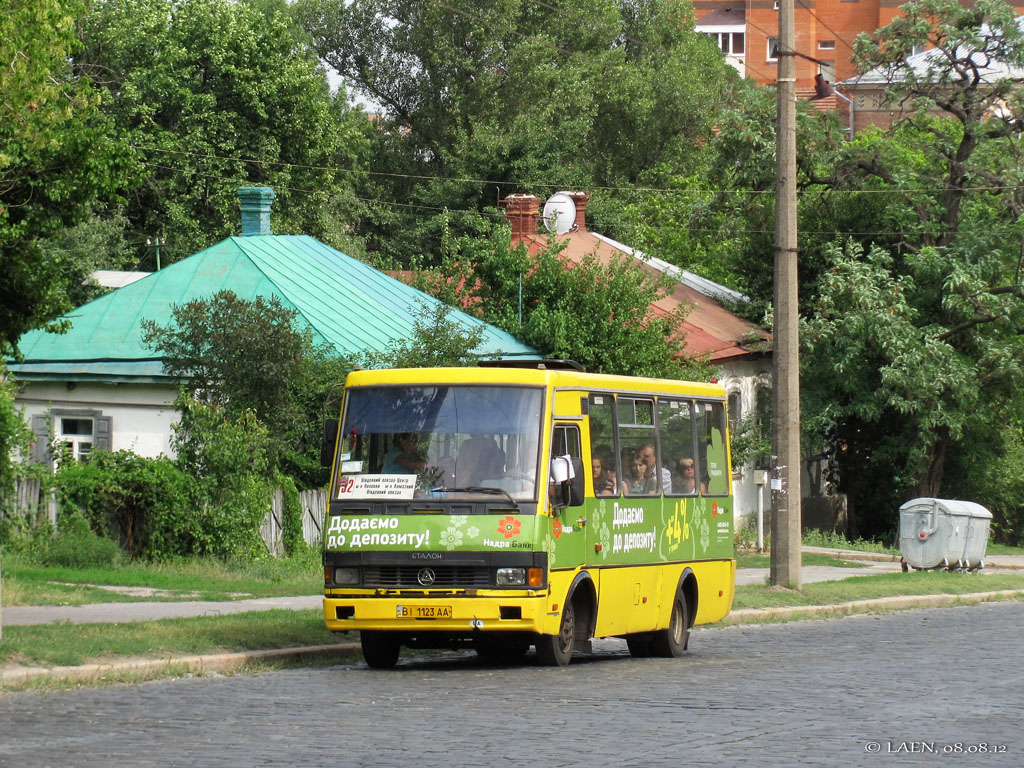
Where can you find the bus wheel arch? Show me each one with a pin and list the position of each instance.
(579, 615)
(688, 587)
(672, 641)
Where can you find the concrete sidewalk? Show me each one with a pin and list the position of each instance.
(22, 615)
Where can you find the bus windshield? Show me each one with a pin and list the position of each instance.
(406, 442)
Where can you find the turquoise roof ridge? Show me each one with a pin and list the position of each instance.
(346, 303)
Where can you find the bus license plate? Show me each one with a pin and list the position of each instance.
(423, 612)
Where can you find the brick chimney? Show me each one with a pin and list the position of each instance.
(255, 203)
(521, 212)
(580, 199)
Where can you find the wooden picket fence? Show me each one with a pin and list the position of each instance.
(314, 507)
(25, 502)
(28, 492)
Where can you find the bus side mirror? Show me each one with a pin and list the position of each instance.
(327, 442)
(567, 479)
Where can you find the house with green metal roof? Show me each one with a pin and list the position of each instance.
(99, 386)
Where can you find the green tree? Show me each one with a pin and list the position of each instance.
(14, 433)
(94, 243)
(481, 99)
(597, 315)
(228, 457)
(244, 356)
(920, 333)
(720, 223)
(213, 95)
(56, 157)
(437, 340)
(910, 258)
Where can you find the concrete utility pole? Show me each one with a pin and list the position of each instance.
(785, 482)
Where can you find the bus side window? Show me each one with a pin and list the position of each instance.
(604, 470)
(711, 438)
(675, 432)
(565, 441)
(642, 473)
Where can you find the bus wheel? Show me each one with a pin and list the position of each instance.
(556, 650)
(639, 645)
(380, 649)
(671, 642)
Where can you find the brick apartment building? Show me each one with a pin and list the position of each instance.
(747, 32)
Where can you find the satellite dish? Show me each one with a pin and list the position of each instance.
(559, 213)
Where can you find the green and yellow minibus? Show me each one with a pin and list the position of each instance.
(528, 503)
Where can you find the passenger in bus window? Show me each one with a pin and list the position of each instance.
(604, 479)
(403, 458)
(686, 478)
(660, 475)
(639, 481)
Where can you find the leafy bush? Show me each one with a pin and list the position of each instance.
(987, 467)
(291, 524)
(136, 501)
(77, 546)
(14, 432)
(229, 458)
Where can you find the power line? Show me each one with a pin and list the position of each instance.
(514, 183)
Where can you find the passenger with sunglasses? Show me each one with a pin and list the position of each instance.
(685, 480)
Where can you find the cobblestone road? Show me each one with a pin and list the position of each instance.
(818, 693)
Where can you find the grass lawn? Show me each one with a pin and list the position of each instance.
(881, 585)
(757, 560)
(198, 579)
(1003, 549)
(69, 644)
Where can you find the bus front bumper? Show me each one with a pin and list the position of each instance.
(443, 613)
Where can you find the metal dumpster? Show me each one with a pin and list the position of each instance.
(943, 533)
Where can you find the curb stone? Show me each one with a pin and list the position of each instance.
(899, 602)
(219, 662)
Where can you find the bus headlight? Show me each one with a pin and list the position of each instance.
(347, 576)
(511, 577)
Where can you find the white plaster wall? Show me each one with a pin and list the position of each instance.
(744, 376)
(141, 414)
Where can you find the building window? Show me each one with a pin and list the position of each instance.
(773, 49)
(827, 69)
(827, 45)
(76, 435)
(735, 411)
(729, 43)
(763, 425)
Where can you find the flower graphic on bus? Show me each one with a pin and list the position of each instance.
(556, 528)
(451, 538)
(509, 527)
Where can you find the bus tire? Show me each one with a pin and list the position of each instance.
(556, 650)
(671, 643)
(380, 649)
